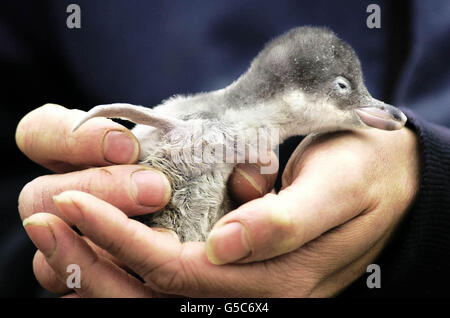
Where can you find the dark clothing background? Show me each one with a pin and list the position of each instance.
(144, 51)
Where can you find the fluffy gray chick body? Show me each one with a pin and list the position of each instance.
(305, 81)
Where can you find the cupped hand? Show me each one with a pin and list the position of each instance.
(343, 196)
(99, 159)
(96, 150)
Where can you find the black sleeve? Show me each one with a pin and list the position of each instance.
(417, 260)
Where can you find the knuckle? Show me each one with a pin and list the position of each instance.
(285, 231)
(22, 135)
(282, 219)
(30, 198)
(27, 131)
(48, 107)
(24, 196)
(94, 180)
(281, 215)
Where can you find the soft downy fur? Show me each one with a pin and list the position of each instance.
(199, 197)
(306, 81)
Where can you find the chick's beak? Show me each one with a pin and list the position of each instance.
(382, 116)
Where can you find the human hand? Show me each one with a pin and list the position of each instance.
(45, 136)
(87, 160)
(342, 199)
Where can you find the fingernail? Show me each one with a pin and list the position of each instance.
(120, 147)
(150, 188)
(247, 175)
(68, 208)
(246, 183)
(40, 233)
(228, 243)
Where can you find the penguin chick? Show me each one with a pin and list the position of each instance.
(304, 81)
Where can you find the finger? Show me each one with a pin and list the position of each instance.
(249, 182)
(46, 276)
(164, 263)
(168, 266)
(277, 224)
(45, 136)
(96, 219)
(136, 189)
(62, 247)
(102, 253)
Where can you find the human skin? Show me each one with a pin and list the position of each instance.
(343, 196)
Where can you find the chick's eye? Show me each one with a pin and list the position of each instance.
(342, 85)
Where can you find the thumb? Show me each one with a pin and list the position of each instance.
(277, 224)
